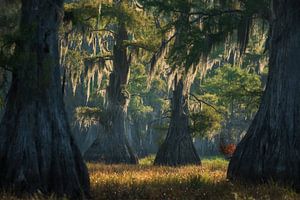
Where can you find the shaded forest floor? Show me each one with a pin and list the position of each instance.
(145, 181)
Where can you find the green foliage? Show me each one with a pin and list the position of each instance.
(137, 88)
(82, 13)
(228, 96)
(106, 15)
(148, 104)
(145, 102)
(205, 123)
(232, 97)
(235, 88)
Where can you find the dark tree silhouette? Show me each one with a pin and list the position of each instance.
(271, 148)
(178, 147)
(37, 151)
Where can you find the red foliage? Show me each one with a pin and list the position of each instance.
(227, 149)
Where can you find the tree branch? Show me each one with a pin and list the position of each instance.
(210, 14)
(206, 103)
(106, 57)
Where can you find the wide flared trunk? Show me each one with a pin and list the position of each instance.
(178, 147)
(270, 151)
(112, 145)
(37, 152)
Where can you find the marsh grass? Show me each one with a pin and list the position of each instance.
(145, 181)
(208, 181)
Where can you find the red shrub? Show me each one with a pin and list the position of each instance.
(227, 149)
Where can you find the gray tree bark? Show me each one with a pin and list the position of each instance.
(112, 145)
(271, 148)
(37, 151)
(178, 147)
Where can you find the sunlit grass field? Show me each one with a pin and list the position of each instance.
(145, 181)
(191, 182)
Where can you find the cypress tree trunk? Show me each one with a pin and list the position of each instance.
(271, 148)
(37, 152)
(178, 147)
(112, 146)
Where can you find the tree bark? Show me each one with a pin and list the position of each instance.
(271, 148)
(112, 146)
(37, 151)
(178, 147)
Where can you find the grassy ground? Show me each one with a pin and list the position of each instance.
(145, 181)
(191, 182)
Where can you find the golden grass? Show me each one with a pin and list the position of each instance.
(145, 181)
(190, 182)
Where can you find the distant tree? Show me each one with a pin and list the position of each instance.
(140, 110)
(194, 29)
(113, 146)
(148, 110)
(178, 148)
(37, 151)
(125, 33)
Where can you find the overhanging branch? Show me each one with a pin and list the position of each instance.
(206, 103)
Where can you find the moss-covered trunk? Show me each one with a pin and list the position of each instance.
(270, 151)
(37, 152)
(112, 145)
